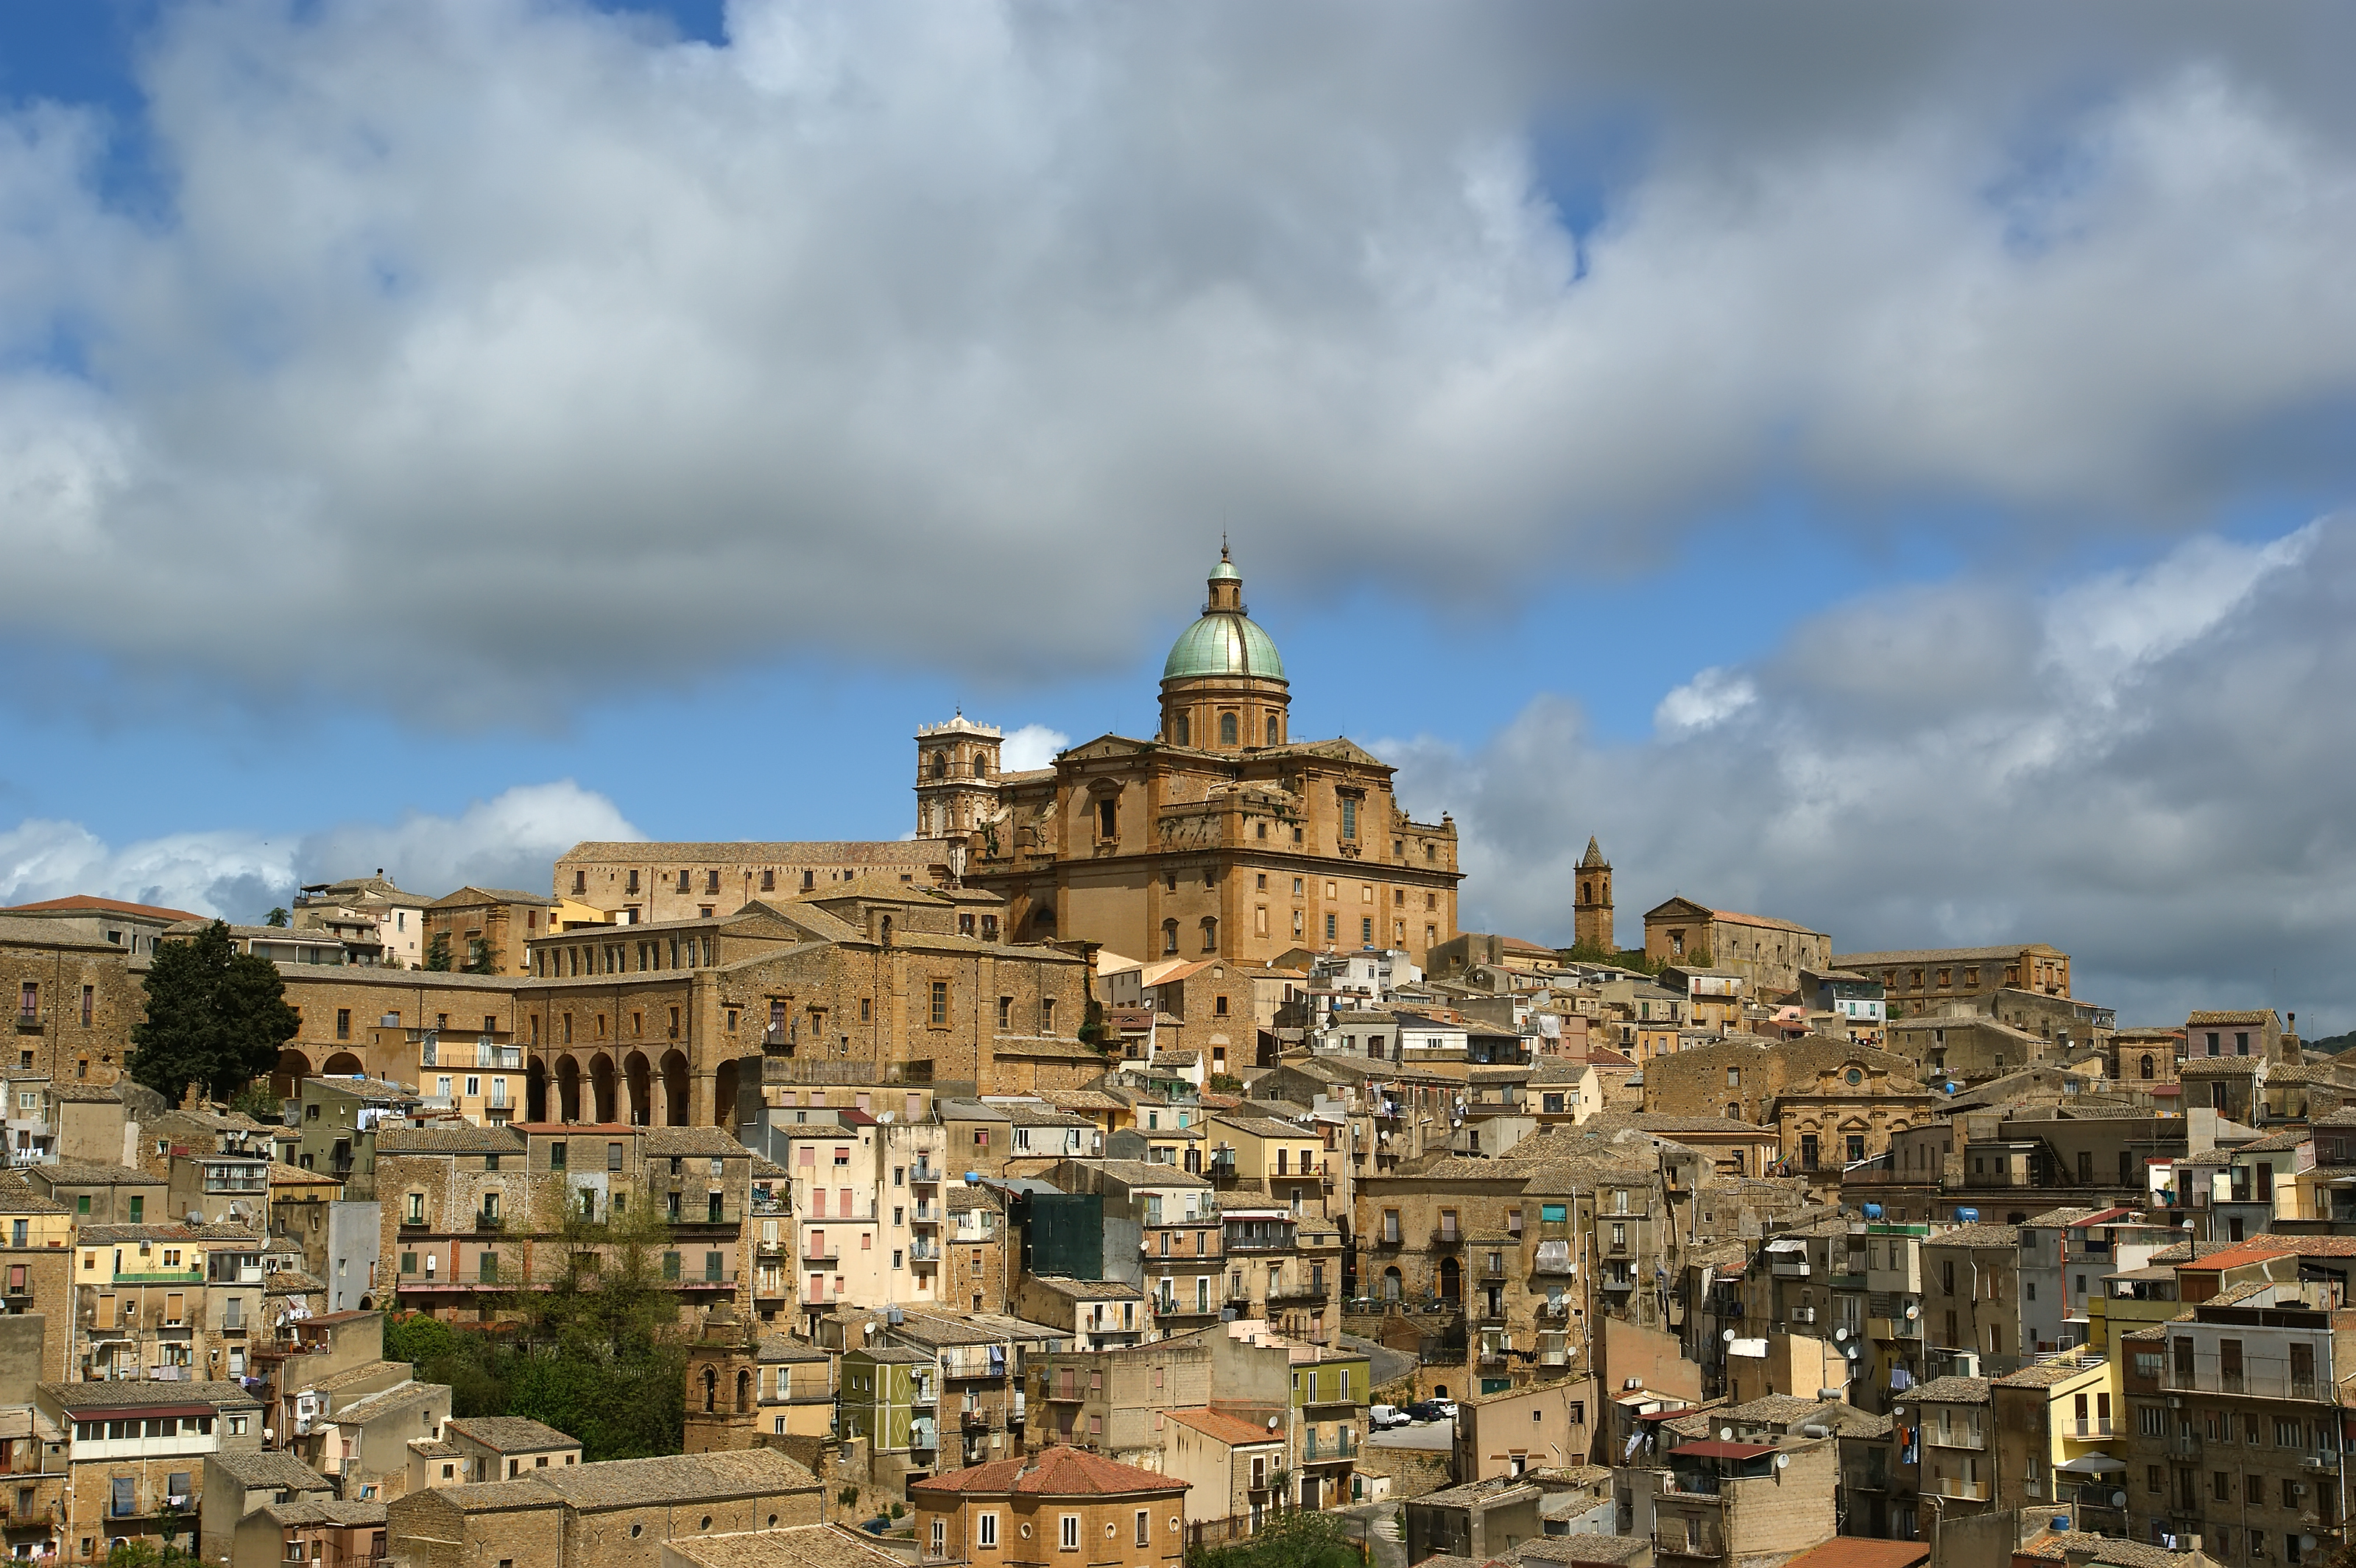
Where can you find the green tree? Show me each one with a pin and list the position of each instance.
(437, 952)
(478, 958)
(260, 1101)
(1288, 1537)
(416, 1337)
(278, 917)
(215, 1017)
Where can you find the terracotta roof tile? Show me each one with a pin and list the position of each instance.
(1057, 1472)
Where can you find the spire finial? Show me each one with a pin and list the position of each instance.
(1223, 544)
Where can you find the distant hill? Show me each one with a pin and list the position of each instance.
(2329, 1045)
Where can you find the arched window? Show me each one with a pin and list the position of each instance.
(887, 930)
(1179, 730)
(744, 1393)
(940, 765)
(1107, 818)
(1168, 936)
(1452, 1280)
(1210, 935)
(1587, 892)
(1226, 729)
(1394, 1285)
(2146, 1066)
(1734, 1112)
(711, 1389)
(1272, 729)
(981, 766)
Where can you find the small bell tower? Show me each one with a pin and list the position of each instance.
(724, 1384)
(1591, 923)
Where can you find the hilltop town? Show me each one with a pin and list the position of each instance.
(1141, 1154)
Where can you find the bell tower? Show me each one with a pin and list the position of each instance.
(957, 776)
(1591, 925)
(724, 1384)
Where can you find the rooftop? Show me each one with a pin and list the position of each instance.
(510, 1433)
(1056, 1472)
(805, 1545)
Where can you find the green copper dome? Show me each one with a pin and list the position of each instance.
(1223, 643)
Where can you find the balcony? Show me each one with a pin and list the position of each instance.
(977, 1420)
(2086, 1426)
(924, 1214)
(1970, 1492)
(489, 1222)
(924, 1175)
(2185, 1445)
(1500, 1269)
(29, 1023)
(1620, 1283)
(1960, 1437)
(1447, 1236)
(924, 1252)
(2260, 1377)
(825, 1256)
(1385, 1242)
(1331, 1450)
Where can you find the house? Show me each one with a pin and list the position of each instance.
(1028, 1512)
(1233, 1468)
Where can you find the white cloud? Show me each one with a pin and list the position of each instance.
(509, 318)
(508, 841)
(2154, 780)
(1708, 699)
(1032, 746)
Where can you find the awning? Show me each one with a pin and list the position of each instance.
(1786, 1244)
(2092, 1465)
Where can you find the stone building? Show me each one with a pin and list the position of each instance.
(1919, 980)
(485, 929)
(1220, 836)
(1766, 951)
(398, 917)
(1114, 1402)
(65, 968)
(1234, 1468)
(642, 883)
(1831, 1101)
(613, 1514)
(1030, 1512)
(468, 1214)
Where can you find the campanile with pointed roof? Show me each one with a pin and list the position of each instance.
(1591, 925)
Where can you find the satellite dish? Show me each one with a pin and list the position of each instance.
(1726, 1433)
(1912, 1311)
(1272, 1424)
(2118, 1500)
(1839, 1334)
(1728, 1336)
(1897, 1410)
(1783, 1461)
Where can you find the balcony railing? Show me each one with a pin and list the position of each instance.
(489, 1222)
(1446, 1235)
(1973, 1491)
(2261, 1377)
(924, 1252)
(924, 1175)
(2088, 1426)
(1960, 1437)
(1315, 1450)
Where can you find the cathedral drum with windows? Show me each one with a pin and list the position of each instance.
(1219, 836)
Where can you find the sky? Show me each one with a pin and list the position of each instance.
(1881, 467)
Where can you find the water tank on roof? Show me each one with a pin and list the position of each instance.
(1968, 1216)
(1873, 1211)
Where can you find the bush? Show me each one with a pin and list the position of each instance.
(1289, 1537)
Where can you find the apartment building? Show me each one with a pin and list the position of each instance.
(2237, 1421)
(469, 1214)
(134, 1453)
(1717, 1500)
(1116, 1401)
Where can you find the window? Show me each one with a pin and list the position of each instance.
(1144, 1527)
(1210, 935)
(941, 1003)
(1349, 816)
(1170, 935)
(343, 1023)
(1069, 1539)
(1046, 1015)
(985, 1531)
(1333, 925)
(940, 1526)
(1226, 729)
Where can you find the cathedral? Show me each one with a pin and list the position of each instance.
(1219, 836)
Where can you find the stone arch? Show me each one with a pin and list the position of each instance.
(743, 1392)
(674, 1084)
(535, 1089)
(1452, 1280)
(294, 1067)
(601, 1088)
(724, 1095)
(638, 1077)
(2146, 1065)
(367, 1304)
(343, 1064)
(568, 1089)
(711, 1391)
(1394, 1283)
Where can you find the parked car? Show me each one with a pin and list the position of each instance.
(1441, 1409)
(1430, 1410)
(1383, 1417)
